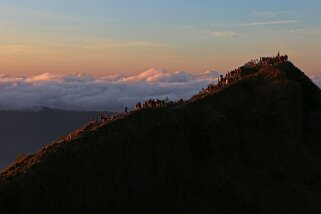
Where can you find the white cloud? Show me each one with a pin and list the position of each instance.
(220, 34)
(277, 22)
(84, 92)
(160, 75)
(316, 80)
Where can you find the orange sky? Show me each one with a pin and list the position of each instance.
(106, 38)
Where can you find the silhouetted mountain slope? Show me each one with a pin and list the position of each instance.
(25, 131)
(252, 147)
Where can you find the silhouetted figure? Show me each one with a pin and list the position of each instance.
(93, 121)
(103, 117)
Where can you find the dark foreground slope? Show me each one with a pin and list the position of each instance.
(25, 131)
(253, 147)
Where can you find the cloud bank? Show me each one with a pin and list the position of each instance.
(84, 92)
(316, 79)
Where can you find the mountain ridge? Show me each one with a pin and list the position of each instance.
(253, 146)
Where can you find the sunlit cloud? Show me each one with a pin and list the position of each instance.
(278, 22)
(83, 92)
(220, 34)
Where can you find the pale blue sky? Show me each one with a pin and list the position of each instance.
(128, 36)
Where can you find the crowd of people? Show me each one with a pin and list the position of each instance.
(273, 60)
(229, 78)
(237, 74)
(268, 60)
(151, 103)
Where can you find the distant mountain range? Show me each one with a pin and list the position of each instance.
(25, 131)
(250, 146)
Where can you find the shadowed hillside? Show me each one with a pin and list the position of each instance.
(25, 131)
(253, 146)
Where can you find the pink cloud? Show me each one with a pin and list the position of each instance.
(84, 92)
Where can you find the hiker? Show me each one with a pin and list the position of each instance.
(93, 121)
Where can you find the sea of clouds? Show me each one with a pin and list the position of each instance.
(110, 93)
